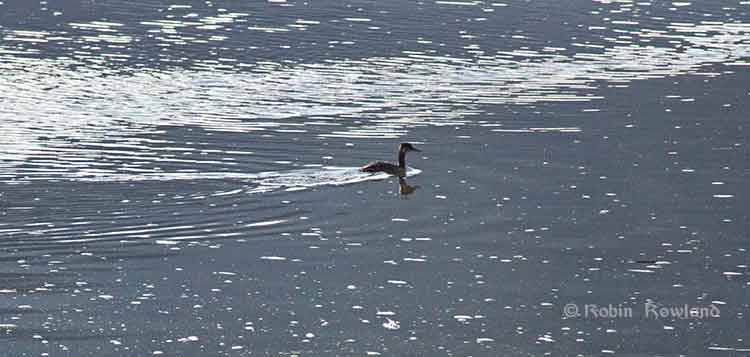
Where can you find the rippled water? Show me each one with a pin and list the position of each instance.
(181, 178)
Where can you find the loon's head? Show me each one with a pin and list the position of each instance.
(406, 147)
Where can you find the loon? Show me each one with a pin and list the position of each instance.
(389, 168)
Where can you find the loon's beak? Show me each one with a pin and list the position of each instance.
(415, 149)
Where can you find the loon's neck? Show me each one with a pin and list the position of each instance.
(402, 159)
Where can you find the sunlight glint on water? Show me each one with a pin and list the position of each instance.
(181, 179)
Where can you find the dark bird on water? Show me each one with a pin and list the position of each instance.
(390, 168)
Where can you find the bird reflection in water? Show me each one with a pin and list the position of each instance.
(404, 188)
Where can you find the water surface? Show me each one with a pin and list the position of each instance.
(180, 178)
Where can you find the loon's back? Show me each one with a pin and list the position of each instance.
(382, 166)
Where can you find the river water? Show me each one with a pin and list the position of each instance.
(180, 178)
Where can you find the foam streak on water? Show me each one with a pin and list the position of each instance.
(262, 182)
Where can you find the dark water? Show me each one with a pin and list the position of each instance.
(179, 178)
